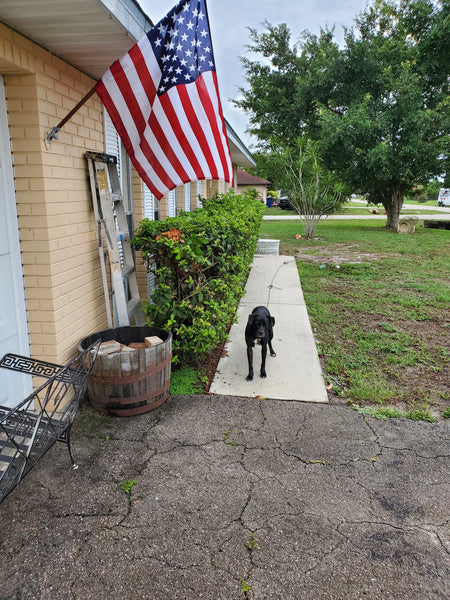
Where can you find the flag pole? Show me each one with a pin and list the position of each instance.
(53, 134)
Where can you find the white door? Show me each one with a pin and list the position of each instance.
(13, 322)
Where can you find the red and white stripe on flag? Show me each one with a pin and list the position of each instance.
(163, 99)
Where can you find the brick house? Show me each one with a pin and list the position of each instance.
(51, 54)
(245, 181)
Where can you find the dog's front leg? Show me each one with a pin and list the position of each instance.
(250, 363)
(272, 353)
(263, 359)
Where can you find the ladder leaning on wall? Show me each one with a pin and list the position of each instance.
(120, 287)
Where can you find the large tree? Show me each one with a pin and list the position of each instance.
(379, 106)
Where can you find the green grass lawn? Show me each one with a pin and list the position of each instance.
(379, 306)
(276, 210)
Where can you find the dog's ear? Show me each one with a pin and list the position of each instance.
(272, 320)
(251, 319)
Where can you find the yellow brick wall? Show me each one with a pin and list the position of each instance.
(213, 187)
(164, 208)
(193, 195)
(180, 198)
(63, 287)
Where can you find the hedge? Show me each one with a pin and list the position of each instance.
(202, 260)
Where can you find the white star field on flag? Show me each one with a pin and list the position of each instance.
(182, 46)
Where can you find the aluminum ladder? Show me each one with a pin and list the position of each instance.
(120, 285)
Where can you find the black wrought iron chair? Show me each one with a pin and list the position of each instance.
(30, 429)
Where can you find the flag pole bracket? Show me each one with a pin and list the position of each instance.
(53, 134)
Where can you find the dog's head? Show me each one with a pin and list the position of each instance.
(260, 325)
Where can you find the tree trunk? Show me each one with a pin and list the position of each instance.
(393, 208)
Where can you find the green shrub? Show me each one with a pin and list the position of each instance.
(202, 261)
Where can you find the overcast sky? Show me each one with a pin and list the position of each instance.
(229, 20)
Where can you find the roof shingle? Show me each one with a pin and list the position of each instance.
(244, 178)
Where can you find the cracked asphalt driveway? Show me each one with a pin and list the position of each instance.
(233, 499)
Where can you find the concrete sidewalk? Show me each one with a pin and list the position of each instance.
(295, 373)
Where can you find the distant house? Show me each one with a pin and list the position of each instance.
(51, 55)
(246, 181)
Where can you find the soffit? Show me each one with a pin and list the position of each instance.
(240, 154)
(89, 34)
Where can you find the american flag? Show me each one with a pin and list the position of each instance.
(163, 99)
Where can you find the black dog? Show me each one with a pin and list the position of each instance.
(259, 327)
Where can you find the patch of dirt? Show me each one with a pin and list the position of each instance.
(209, 365)
(340, 254)
(420, 385)
(429, 382)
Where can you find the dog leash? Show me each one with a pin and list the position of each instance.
(271, 286)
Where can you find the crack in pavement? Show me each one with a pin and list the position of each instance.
(289, 501)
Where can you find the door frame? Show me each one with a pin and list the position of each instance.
(8, 192)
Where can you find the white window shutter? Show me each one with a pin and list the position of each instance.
(187, 197)
(172, 203)
(149, 204)
(151, 282)
(149, 213)
(199, 193)
(112, 141)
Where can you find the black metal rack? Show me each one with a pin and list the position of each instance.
(30, 429)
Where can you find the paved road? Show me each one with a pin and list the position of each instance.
(288, 500)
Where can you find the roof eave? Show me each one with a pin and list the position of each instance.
(240, 155)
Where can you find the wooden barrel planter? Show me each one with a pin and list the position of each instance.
(131, 381)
